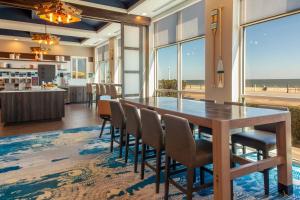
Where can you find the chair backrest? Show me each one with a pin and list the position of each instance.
(113, 92)
(98, 91)
(118, 119)
(102, 89)
(269, 127)
(179, 140)
(104, 108)
(152, 132)
(107, 90)
(208, 100)
(89, 88)
(133, 120)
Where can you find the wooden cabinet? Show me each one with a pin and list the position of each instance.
(77, 94)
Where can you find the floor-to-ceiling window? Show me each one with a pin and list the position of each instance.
(180, 53)
(102, 69)
(271, 62)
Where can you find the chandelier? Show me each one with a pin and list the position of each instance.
(39, 50)
(56, 11)
(45, 38)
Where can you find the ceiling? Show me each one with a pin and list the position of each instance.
(16, 23)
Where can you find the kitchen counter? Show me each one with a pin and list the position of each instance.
(32, 105)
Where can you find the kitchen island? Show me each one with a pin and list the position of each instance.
(32, 105)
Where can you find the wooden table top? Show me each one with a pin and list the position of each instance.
(206, 110)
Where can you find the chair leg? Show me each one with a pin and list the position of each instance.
(127, 147)
(143, 161)
(167, 175)
(244, 149)
(136, 153)
(174, 164)
(202, 175)
(232, 191)
(121, 142)
(158, 168)
(112, 133)
(190, 182)
(233, 148)
(102, 128)
(266, 174)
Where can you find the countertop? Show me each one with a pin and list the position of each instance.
(33, 90)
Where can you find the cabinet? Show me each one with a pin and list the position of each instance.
(77, 94)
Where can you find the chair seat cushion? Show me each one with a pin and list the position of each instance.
(203, 153)
(261, 140)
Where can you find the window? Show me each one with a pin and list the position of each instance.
(180, 52)
(193, 65)
(103, 69)
(167, 68)
(271, 57)
(79, 68)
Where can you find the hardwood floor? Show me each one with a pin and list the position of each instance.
(76, 115)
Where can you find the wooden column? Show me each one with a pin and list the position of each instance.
(111, 55)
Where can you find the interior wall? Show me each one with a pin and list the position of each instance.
(230, 51)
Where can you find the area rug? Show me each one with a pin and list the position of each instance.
(76, 164)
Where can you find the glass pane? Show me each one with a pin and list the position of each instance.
(193, 65)
(74, 65)
(132, 83)
(107, 72)
(131, 36)
(166, 30)
(167, 67)
(193, 16)
(81, 73)
(132, 60)
(102, 72)
(272, 58)
(258, 9)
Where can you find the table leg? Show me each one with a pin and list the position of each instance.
(221, 160)
(284, 149)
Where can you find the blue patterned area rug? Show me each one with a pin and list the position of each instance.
(76, 164)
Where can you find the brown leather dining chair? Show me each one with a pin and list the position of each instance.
(118, 121)
(89, 92)
(133, 128)
(182, 147)
(100, 91)
(152, 136)
(104, 113)
(114, 92)
(107, 90)
(262, 138)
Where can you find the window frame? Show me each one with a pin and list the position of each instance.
(86, 67)
(243, 28)
(179, 66)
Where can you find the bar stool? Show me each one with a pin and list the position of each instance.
(118, 121)
(114, 92)
(182, 147)
(133, 128)
(262, 138)
(89, 91)
(152, 136)
(104, 113)
(100, 91)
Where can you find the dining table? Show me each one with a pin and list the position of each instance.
(222, 119)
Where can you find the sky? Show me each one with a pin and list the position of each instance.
(272, 51)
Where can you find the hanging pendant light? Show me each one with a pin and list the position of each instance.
(45, 38)
(58, 12)
(39, 50)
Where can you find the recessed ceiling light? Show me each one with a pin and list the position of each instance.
(144, 14)
(109, 34)
(16, 39)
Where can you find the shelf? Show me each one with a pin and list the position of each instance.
(30, 60)
(29, 69)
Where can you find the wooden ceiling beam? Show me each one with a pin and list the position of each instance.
(88, 12)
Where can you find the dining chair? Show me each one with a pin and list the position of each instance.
(114, 92)
(107, 90)
(181, 146)
(262, 138)
(153, 137)
(89, 91)
(104, 113)
(133, 128)
(118, 121)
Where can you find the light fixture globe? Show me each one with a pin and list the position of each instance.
(39, 50)
(45, 38)
(57, 12)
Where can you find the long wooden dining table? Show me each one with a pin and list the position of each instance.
(222, 119)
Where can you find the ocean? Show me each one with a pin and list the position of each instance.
(278, 83)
